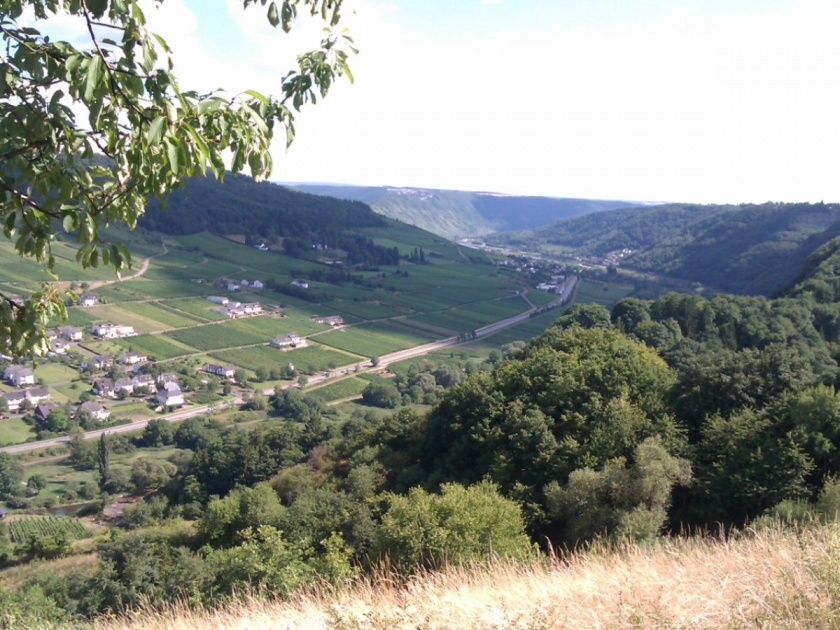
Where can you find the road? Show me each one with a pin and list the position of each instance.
(318, 379)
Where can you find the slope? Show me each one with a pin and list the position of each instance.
(454, 214)
(742, 249)
(769, 579)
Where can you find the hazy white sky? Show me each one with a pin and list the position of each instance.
(698, 100)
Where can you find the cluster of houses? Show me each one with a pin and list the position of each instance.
(90, 409)
(335, 321)
(289, 341)
(237, 310)
(244, 285)
(61, 339)
(112, 331)
(21, 376)
(169, 393)
(559, 284)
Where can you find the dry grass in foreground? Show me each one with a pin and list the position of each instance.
(773, 579)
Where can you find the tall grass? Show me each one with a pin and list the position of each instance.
(769, 579)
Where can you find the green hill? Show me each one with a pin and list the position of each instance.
(740, 249)
(454, 214)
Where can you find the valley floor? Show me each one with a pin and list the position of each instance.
(771, 579)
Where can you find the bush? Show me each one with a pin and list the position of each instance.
(382, 395)
(462, 524)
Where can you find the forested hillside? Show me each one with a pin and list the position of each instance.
(747, 249)
(239, 205)
(453, 214)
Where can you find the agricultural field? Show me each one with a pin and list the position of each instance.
(155, 346)
(165, 316)
(22, 529)
(314, 358)
(370, 340)
(339, 390)
(216, 336)
(600, 292)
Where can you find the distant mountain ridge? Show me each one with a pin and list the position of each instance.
(454, 214)
(748, 249)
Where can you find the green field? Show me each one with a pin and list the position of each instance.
(314, 358)
(345, 388)
(15, 431)
(156, 346)
(23, 529)
(598, 292)
(166, 317)
(216, 336)
(370, 340)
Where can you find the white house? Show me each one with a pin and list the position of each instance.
(331, 320)
(104, 387)
(132, 358)
(289, 341)
(88, 300)
(167, 377)
(257, 285)
(94, 410)
(19, 375)
(170, 395)
(233, 287)
(125, 385)
(143, 380)
(59, 346)
(243, 310)
(102, 362)
(37, 394)
(300, 284)
(261, 246)
(14, 400)
(218, 299)
(220, 371)
(70, 333)
(112, 331)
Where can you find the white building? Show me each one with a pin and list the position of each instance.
(96, 411)
(19, 375)
(289, 341)
(218, 299)
(112, 331)
(132, 358)
(331, 320)
(220, 371)
(300, 284)
(70, 333)
(88, 300)
(243, 310)
(170, 395)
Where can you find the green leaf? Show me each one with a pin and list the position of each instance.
(155, 133)
(69, 223)
(172, 154)
(273, 16)
(94, 75)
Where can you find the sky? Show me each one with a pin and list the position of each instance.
(644, 100)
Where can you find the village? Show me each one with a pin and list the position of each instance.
(114, 381)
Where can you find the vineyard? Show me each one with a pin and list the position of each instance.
(25, 529)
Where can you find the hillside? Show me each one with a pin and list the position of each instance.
(748, 249)
(453, 214)
(774, 579)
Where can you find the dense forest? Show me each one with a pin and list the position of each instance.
(262, 212)
(455, 213)
(747, 249)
